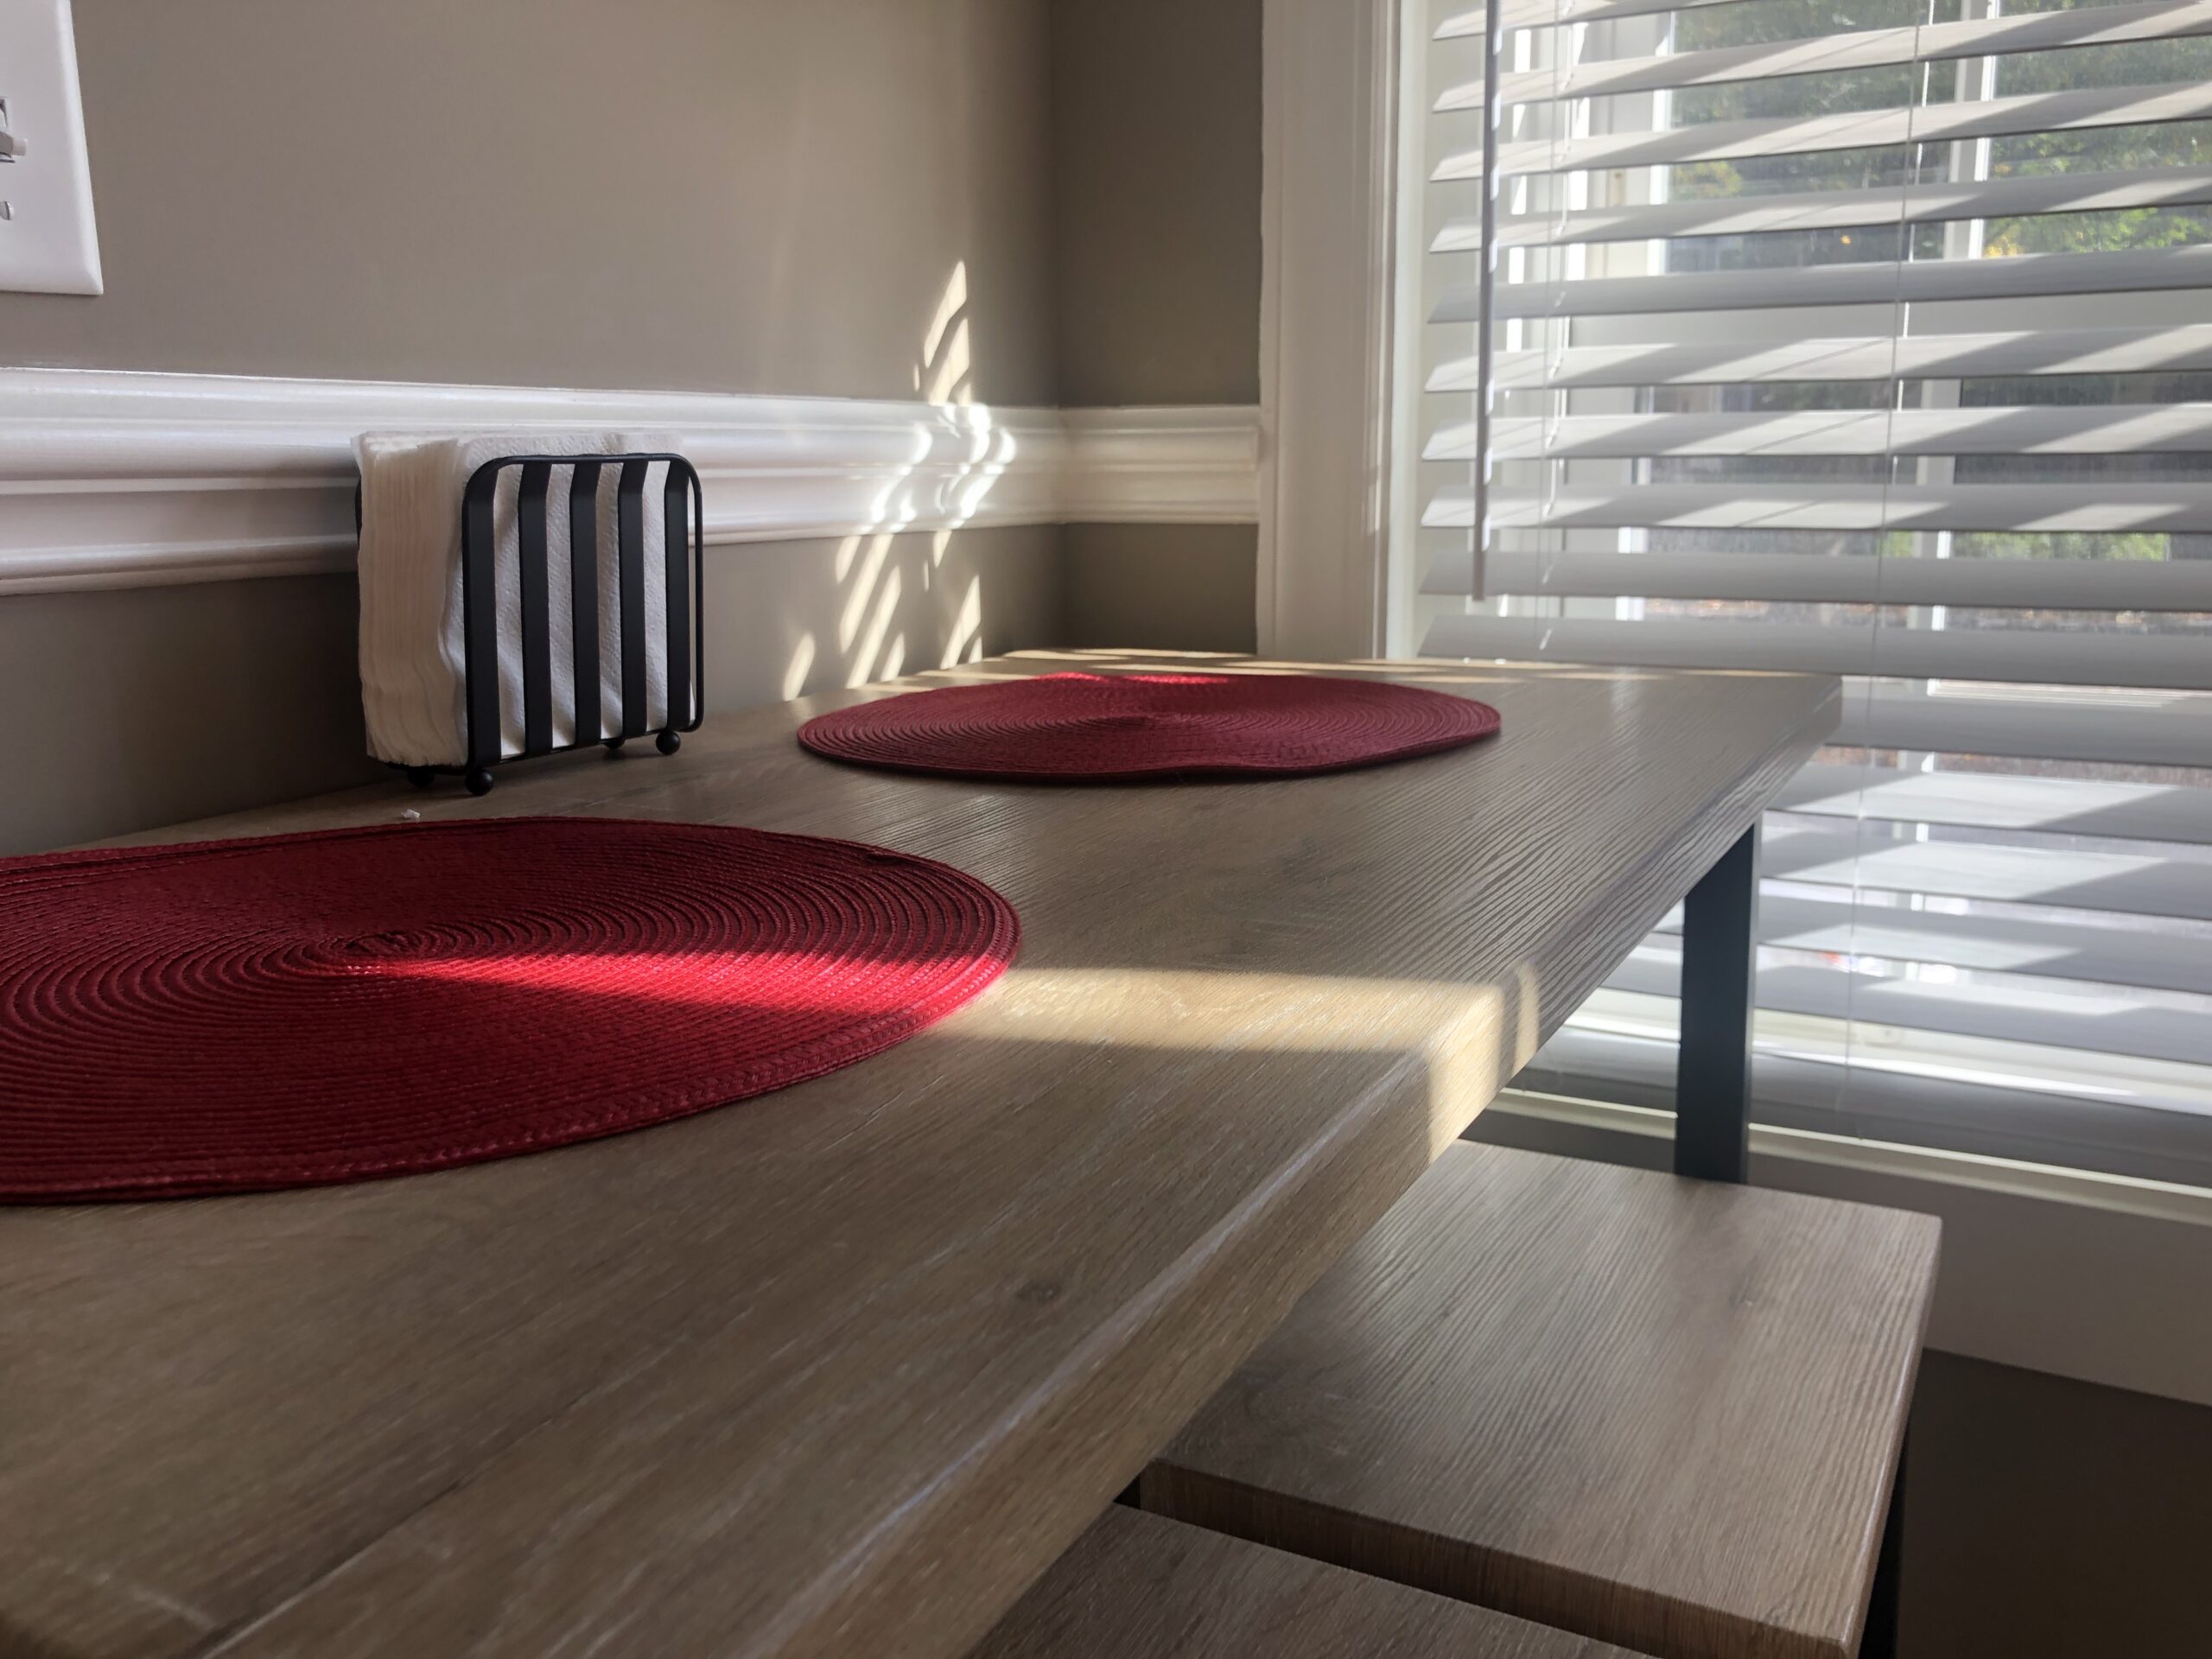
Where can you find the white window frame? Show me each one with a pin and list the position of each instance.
(1328, 216)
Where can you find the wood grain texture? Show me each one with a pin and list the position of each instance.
(1137, 1586)
(842, 1370)
(1659, 1412)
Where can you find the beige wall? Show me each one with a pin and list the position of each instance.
(744, 195)
(1164, 587)
(152, 706)
(146, 706)
(1155, 114)
(747, 195)
(1155, 117)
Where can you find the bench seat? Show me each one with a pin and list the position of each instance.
(1659, 1412)
(1136, 1586)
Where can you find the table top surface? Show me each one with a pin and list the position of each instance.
(843, 1368)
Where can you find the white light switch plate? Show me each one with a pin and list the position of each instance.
(48, 242)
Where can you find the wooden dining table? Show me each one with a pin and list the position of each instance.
(841, 1370)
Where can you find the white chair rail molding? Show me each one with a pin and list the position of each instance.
(116, 480)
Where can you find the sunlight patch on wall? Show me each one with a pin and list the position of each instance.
(944, 375)
(848, 624)
(967, 625)
(949, 381)
(802, 664)
(862, 667)
(949, 308)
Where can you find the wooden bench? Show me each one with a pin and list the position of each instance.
(1135, 1586)
(1658, 1412)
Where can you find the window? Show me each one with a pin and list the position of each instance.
(1871, 337)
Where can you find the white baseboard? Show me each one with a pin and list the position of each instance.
(2095, 1277)
(114, 480)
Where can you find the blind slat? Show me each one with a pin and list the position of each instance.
(1819, 210)
(1887, 1099)
(2030, 871)
(2080, 429)
(2056, 351)
(2110, 509)
(2127, 812)
(2000, 1010)
(2162, 732)
(2026, 276)
(1811, 918)
(1543, 14)
(2022, 655)
(1865, 48)
(1997, 584)
(1717, 140)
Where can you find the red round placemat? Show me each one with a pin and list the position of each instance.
(1126, 727)
(300, 1009)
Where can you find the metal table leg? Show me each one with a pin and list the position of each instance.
(1712, 1076)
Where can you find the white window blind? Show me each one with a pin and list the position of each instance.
(1872, 337)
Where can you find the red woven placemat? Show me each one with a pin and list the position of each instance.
(1124, 728)
(302, 1009)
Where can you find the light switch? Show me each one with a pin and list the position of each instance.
(48, 242)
